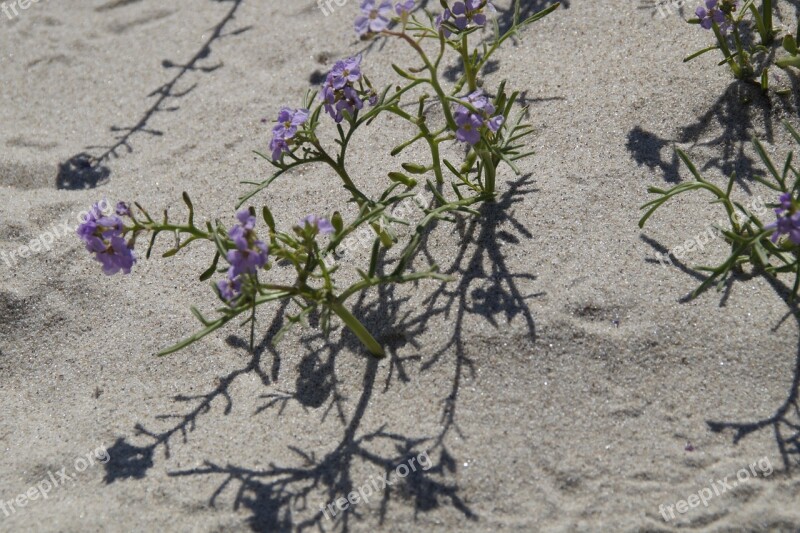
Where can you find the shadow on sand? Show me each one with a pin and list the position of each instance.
(87, 171)
(285, 497)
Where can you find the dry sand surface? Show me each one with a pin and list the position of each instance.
(559, 384)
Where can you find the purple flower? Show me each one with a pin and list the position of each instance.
(123, 209)
(440, 20)
(471, 122)
(404, 7)
(289, 120)
(230, 288)
(710, 14)
(323, 225)
(103, 236)
(373, 19)
(339, 93)
(471, 11)
(249, 253)
(786, 203)
(788, 222)
(469, 128)
(278, 146)
(495, 123)
(345, 72)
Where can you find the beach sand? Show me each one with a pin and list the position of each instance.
(559, 384)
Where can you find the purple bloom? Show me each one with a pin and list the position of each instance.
(289, 120)
(230, 288)
(786, 203)
(404, 7)
(345, 72)
(469, 128)
(103, 236)
(278, 146)
(710, 14)
(495, 123)
(116, 257)
(470, 122)
(374, 18)
(123, 209)
(323, 225)
(339, 93)
(249, 253)
(471, 11)
(440, 20)
(478, 100)
(788, 222)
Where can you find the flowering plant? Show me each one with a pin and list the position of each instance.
(472, 119)
(772, 247)
(727, 20)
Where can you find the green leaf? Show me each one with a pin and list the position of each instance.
(402, 178)
(210, 271)
(790, 45)
(414, 168)
(700, 52)
(337, 222)
(268, 218)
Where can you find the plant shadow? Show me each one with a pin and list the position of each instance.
(785, 422)
(729, 120)
(278, 498)
(86, 171)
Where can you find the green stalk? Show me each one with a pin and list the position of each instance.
(741, 54)
(468, 71)
(490, 172)
(767, 14)
(723, 44)
(434, 81)
(760, 24)
(358, 329)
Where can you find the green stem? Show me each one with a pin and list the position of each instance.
(153, 226)
(723, 44)
(767, 15)
(468, 70)
(358, 329)
(490, 172)
(740, 52)
(434, 81)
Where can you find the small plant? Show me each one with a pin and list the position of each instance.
(745, 35)
(772, 248)
(256, 257)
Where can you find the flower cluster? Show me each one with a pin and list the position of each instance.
(375, 18)
(248, 255)
(470, 123)
(284, 131)
(104, 237)
(716, 11)
(788, 222)
(339, 92)
(463, 14)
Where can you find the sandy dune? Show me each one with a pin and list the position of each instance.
(559, 384)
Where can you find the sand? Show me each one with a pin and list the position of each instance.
(559, 384)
